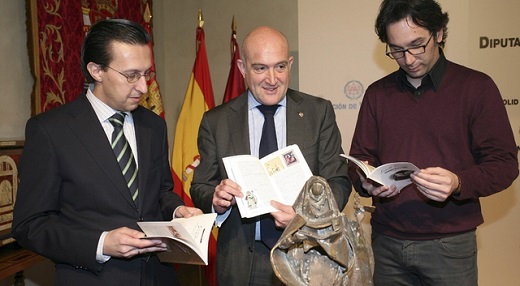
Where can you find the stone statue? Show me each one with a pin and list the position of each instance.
(321, 246)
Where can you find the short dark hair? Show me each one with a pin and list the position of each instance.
(425, 13)
(96, 46)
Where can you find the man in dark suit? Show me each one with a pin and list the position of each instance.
(235, 128)
(74, 205)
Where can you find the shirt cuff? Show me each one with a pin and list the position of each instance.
(100, 257)
(221, 218)
(175, 211)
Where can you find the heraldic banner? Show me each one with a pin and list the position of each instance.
(57, 30)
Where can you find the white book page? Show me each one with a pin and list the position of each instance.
(397, 174)
(289, 172)
(248, 172)
(279, 176)
(367, 169)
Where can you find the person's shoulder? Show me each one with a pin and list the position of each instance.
(234, 105)
(147, 115)
(299, 96)
(61, 112)
(382, 87)
(459, 70)
(389, 80)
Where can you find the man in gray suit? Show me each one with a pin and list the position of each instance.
(74, 205)
(235, 128)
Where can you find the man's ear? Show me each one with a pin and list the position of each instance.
(95, 71)
(241, 66)
(439, 35)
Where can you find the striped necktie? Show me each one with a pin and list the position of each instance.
(124, 154)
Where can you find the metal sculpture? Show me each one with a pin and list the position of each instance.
(321, 246)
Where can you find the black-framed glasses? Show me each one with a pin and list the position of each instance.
(417, 50)
(135, 76)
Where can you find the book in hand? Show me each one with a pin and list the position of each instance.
(187, 238)
(279, 176)
(397, 173)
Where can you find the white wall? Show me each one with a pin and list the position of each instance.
(15, 77)
(499, 236)
(15, 101)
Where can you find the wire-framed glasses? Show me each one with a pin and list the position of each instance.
(135, 76)
(417, 50)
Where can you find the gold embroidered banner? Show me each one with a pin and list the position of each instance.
(57, 30)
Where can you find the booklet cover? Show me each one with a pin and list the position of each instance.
(397, 173)
(187, 238)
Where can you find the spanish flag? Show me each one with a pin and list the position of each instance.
(198, 99)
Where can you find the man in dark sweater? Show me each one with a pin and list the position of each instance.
(449, 121)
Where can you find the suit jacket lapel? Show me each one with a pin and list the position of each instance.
(143, 137)
(238, 126)
(295, 118)
(239, 129)
(87, 128)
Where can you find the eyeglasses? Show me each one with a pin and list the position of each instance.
(135, 76)
(412, 51)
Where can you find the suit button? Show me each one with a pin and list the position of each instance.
(250, 249)
(141, 219)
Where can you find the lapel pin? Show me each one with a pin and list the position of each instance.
(300, 113)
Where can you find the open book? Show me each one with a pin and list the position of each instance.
(279, 176)
(187, 238)
(397, 173)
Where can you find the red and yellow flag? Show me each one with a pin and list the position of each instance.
(198, 99)
(152, 99)
(185, 158)
(235, 84)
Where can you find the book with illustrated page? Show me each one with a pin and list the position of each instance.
(397, 173)
(279, 176)
(187, 238)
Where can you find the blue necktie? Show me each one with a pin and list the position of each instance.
(124, 154)
(268, 144)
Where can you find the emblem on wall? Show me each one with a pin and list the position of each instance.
(354, 89)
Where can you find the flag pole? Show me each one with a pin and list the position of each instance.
(201, 19)
(234, 35)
